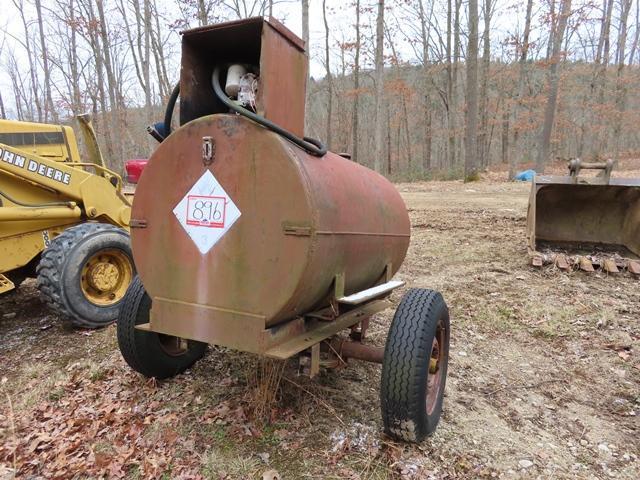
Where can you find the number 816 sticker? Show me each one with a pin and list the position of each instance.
(203, 211)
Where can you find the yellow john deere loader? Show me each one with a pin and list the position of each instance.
(64, 221)
(585, 222)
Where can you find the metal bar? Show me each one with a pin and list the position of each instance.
(371, 293)
(319, 331)
(374, 234)
(34, 213)
(358, 351)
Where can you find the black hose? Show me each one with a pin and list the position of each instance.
(168, 113)
(311, 145)
(33, 205)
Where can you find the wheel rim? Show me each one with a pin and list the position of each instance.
(106, 275)
(437, 363)
(173, 346)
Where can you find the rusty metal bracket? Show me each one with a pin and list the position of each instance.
(297, 230)
(137, 223)
(208, 150)
(316, 332)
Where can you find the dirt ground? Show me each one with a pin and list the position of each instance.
(544, 378)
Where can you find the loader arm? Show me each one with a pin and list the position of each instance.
(81, 193)
(90, 140)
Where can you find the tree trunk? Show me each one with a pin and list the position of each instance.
(602, 61)
(356, 86)
(159, 57)
(113, 114)
(522, 76)
(449, 88)
(426, 156)
(389, 169)
(76, 104)
(505, 140)
(552, 28)
(329, 79)
(483, 148)
(471, 133)
(379, 127)
(3, 113)
(49, 106)
(32, 64)
(305, 38)
(94, 42)
(553, 80)
(456, 69)
(202, 13)
(621, 91)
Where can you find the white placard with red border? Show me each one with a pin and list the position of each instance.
(206, 212)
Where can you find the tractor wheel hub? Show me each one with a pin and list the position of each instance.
(104, 276)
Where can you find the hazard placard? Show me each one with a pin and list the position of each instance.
(206, 212)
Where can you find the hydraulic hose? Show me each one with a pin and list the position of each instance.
(311, 145)
(168, 113)
(33, 205)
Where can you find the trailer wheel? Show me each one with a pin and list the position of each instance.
(149, 353)
(85, 272)
(414, 369)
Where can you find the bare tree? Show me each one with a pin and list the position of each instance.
(522, 75)
(305, 39)
(427, 82)
(483, 144)
(49, 107)
(329, 79)
(450, 107)
(620, 94)
(356, 86)
(33, 70)
(471, 130)
(3, 112)
(379, 126)
(557, 34)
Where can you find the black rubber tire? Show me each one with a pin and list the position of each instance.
(60, 270)
(143, 351)
(405, 368)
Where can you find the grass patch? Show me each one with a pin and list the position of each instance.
(550, 322)
(217, 464)
(472, 177)
(420, 175)
(501, 318)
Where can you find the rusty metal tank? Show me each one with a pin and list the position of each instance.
(303, 221)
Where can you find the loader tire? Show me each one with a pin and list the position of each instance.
(149, 353)
(85, 272)
(414, 369)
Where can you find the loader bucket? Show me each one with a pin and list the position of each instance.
(585, 215)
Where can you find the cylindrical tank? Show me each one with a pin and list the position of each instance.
(303, 220)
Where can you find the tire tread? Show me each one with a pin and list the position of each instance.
(406, 352)
(51, 267)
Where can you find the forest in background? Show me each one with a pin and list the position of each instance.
(412, 88)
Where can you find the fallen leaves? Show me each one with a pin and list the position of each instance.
(99, 428)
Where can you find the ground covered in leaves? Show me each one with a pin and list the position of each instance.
(544, 378)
